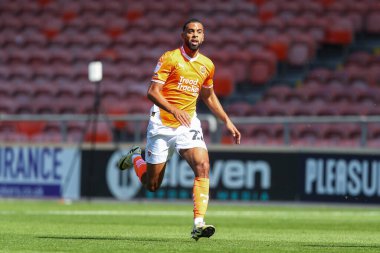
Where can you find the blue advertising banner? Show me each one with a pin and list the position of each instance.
(39, 172)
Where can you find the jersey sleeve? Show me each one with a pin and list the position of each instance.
(209, 81)
(163, 68)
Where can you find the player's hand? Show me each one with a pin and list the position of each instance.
(182, 116)
(234, 132)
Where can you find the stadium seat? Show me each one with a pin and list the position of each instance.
(256, 134)
(44, 91)
(332, 132)
(301, 50)
(66, 91)
(373, 19)
(47, 138)
(277, 93)
(22, 92)
(296, 97)
(14, 137)
(374, 143)
(267, 11)
(256, 110)
(311, 92)
(302, 110)
(256, 42)
(317, 28)
(239, 109)
(340, 31)
(374, 75)
(358, 59)
(279, 45)
(289, 10)
(240, 64)
(276, 109)
(223, 82)
(7, 106)
(322, 109)
(305, 133)
(311, 9)
(263, 67)
(5, 91)
(30, 128)
(102, 133)
(320, 75)
(338, 93)
(20, 72)
(336, 9)
(273, 27)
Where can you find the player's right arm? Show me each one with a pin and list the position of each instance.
(155, 95)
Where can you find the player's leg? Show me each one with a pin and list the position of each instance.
(199, 161)
(150, 175)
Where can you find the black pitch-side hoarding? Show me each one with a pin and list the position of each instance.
(246, 176)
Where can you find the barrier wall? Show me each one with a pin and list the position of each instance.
(40, 172)
(236, 174)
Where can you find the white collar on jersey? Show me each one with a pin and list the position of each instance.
(187, 56)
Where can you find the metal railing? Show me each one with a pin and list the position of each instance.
(288, 122)
(136, 119)
(214, 125)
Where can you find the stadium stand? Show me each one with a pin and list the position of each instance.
(273, 58)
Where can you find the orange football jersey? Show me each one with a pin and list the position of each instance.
(182, 78)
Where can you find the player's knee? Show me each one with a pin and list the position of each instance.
(152, 187)
(202, 169)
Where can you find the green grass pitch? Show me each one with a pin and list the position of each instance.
(50, 226)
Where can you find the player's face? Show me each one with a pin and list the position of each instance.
(193, 36)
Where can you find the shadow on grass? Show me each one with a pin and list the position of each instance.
(342, 246)
(110, 238)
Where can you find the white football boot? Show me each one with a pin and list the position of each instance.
(125, 162)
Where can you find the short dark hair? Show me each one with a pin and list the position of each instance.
(192, 20)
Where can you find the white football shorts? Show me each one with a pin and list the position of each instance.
(163, 140)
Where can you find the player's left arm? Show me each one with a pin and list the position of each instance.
(211, 100)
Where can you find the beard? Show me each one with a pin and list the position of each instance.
(193, 47)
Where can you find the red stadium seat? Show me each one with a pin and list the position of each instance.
(224, 83)
(30, 128)
(263, 67)
(267, 11)
(340, 31)
(279, 45)
(102, 133)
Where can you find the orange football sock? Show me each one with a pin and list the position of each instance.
(200, 197)
(140, 166)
